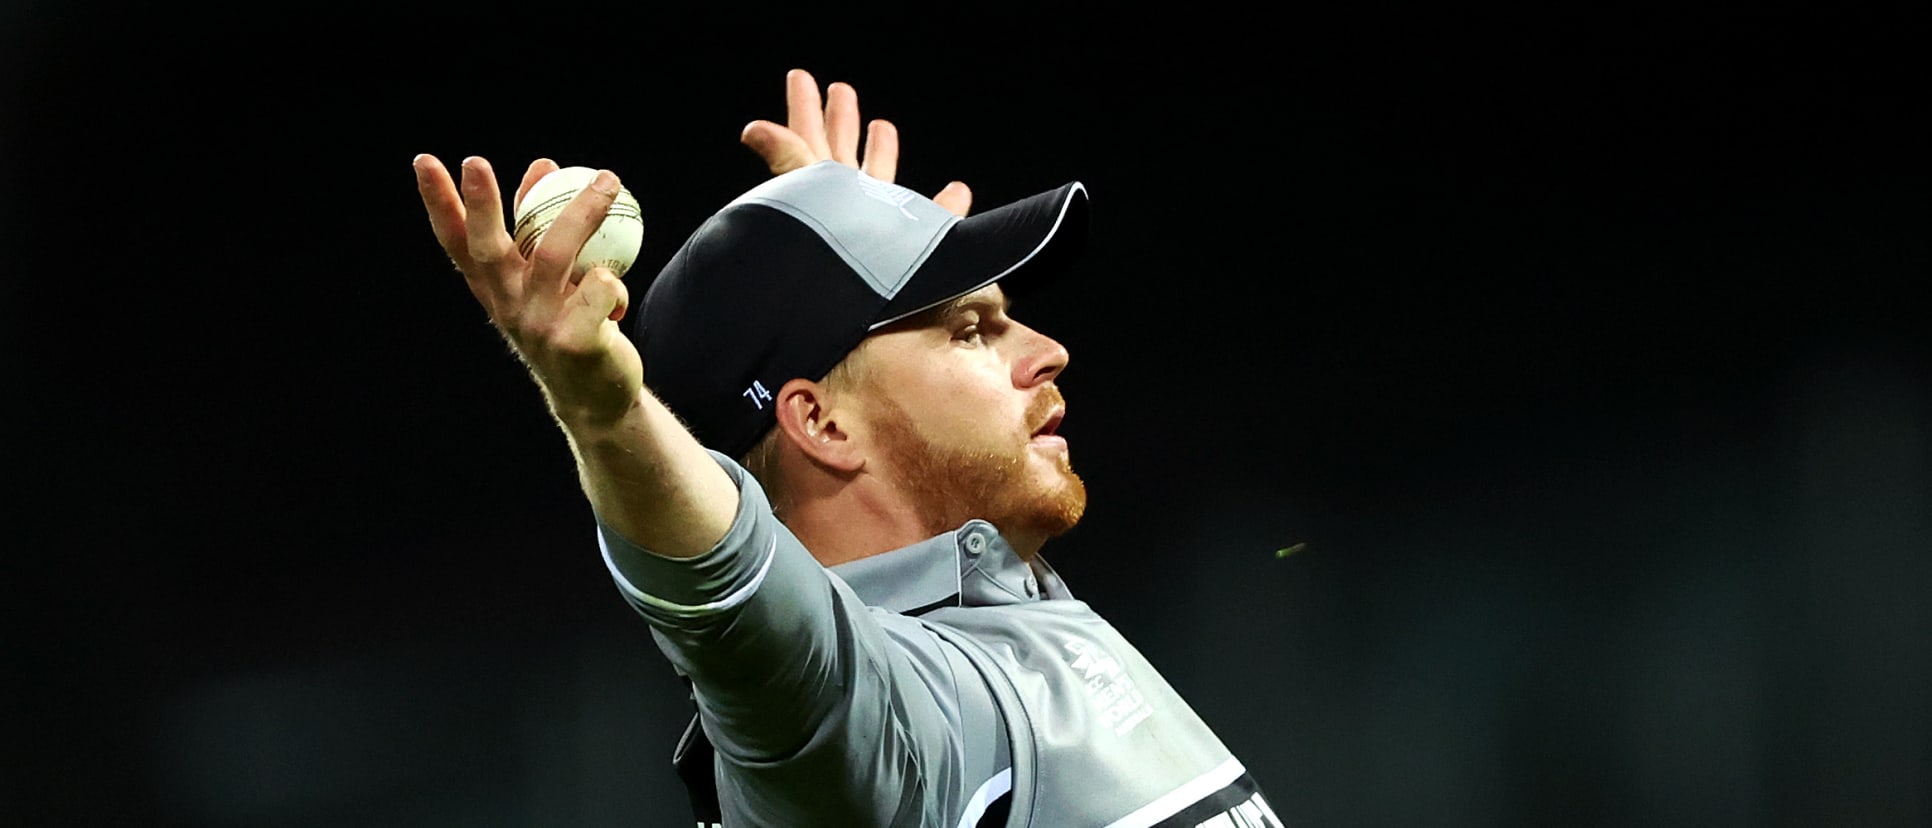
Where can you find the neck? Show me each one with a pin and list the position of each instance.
(842, 529)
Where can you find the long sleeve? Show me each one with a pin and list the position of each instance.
(822, 710)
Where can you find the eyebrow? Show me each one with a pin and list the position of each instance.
(975, 301)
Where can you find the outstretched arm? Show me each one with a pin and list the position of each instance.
(645, 475)
(819, 704)
(815, 132)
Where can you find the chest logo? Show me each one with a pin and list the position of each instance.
(1112, 692)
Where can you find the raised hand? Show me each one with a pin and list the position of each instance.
(816, 131)
(561, 323)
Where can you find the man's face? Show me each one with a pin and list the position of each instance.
(962, 408)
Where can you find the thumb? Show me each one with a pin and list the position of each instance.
(956, 198)
(602, 293)
(782, 149)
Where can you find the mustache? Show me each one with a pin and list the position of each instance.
(1042, 407)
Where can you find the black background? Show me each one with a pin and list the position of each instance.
(1582, 347)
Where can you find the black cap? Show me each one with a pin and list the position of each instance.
(788, 278)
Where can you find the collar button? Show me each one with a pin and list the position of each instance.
(975, 543)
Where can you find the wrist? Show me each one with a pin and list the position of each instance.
(589, 415)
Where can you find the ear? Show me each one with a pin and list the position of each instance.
(810, 420)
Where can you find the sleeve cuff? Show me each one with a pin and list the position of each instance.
(675, 589)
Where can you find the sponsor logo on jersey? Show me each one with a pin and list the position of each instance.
(1108, 686)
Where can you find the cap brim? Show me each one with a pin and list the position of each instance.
(1032, 238)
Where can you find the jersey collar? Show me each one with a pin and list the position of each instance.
(972, 566)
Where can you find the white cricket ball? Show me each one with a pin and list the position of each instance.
(616, 242)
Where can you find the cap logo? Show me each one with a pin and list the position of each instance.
(889, 193)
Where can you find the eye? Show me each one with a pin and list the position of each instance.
(969, 334)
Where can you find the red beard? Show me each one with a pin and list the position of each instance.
(949, 485)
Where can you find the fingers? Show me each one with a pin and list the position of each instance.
(956, 198)
(538, 169)
(813, 133)
(444, 205)
(555, 259)
(842, 123)
(782, 149)
(881, 150)
(483, 204)
(804, 112)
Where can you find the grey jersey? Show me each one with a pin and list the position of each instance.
(932, 685)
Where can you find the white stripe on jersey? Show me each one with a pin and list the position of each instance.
(996, 787)
(737, 596)
(1187, 794)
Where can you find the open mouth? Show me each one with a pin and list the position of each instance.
(1052, 424)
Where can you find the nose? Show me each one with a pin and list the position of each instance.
(1042, 359)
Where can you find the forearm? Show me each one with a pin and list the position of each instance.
(649, 480)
